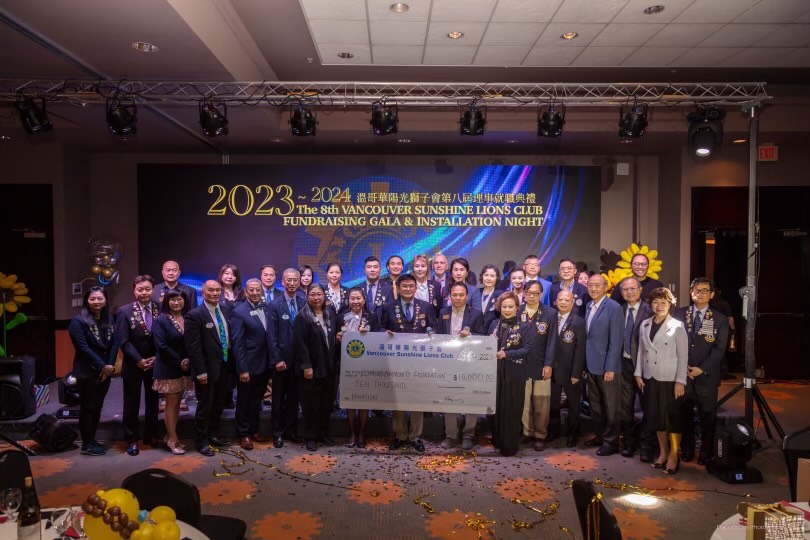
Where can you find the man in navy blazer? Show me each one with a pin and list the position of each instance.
(569, 362)
(378, 292)
(568, 282)
(249, 323)
(459, 319)
(282, 312)
(603, 357)
(207, 336)
(270, 292)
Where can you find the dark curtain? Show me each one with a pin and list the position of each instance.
(730, 269)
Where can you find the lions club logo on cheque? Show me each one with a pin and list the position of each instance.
(355, 348)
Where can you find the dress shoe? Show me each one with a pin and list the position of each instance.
(259, 438)
(326, 440)
(396, 444)
(361, 443)
(175, 448)
(292, 437)
(593, 441)
(570, 442)
(206, 450)
(539, 445)
(703, 459)
(133, 449)
(447, 443)
(350, 444)
(467, 443)
(312, 446)
(645, 454)
(628, 451)
(657, 465)
(278, 442)
(418, 445)
(669, 471)
(606, 450)
(219, 443)
(687, 455)
(246, 443)
(527, 439)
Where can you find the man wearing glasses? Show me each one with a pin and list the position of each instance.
(568, 282)
(708, 335)
(639, 265)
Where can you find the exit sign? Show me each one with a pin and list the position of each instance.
(768, 152)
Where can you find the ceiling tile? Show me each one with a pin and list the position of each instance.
(775, 11)
(654, 56)
(626, 35)
(603, 56)
(345, 10)
(588, 11)
(587, 32)
(410, 55)
(633, 12)
(329, 53)
(398, 33)
(437, 33)
(714, 11)
(739, 35)
(705, 56)
(347, 32)
(525, 10)
(789, 35)
(418, 10)
(449, 56)
(683, 35)
(462, 10)
(798, 58)
(552, 56)
(512, 33)
(756, 57)
(500, 56)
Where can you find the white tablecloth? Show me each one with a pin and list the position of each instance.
(732, 529)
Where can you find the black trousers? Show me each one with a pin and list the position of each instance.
(702, 394)
(507, 421)
(317, 397)
(132, 406)
(606, 400)
(573, 394)
(284, 416)
(91, 400)
(249, 397)
(629, 428)
(210, 404)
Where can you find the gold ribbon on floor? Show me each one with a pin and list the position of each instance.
(546, 512)
(427, 506)
(450, 460)
(479, 524)
(629, 488)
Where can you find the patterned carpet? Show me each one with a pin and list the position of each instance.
(341, 493)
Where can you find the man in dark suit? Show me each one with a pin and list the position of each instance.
(569, 361)
(267, 273)
(603, 357)
(635, 310)
(440, 274)
(171, 275)
(531, 266)
(134, 329)
(207, 336)
(282, 312)
(407, 314)
(459, 319)
(639, 265)
(708, 335)
(249, 323)
(568, 281)
(378, 292)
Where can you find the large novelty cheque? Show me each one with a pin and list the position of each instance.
(418, 372)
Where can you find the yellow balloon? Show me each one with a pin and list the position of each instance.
(159, 514)
(147, 531)
(107, 272)
(96, 529)
(95, 269)
(167, 530)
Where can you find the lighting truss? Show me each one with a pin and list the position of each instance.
(364, 94)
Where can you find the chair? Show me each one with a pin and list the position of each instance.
(14, 467)
(156, 487)
(795, 445)
(584, 499)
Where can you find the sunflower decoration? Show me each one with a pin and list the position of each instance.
(13, 294)
(623, 268)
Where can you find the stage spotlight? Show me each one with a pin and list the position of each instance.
(384, 118)
(550, 121)
(632, 120)
(34, 117)
(122, 116)
(69, 396)
(705, 130)
(302, 121)
(733, 448)
(473, 120)
(213, 118)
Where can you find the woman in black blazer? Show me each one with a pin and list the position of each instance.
(93, 335)
(514, 349)
(314, 332)
(172, 361)
(356, 318)
(336, 294)
(490, 276)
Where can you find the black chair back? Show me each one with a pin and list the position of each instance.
(795, 445)
(156, 487)
(595, 518)
(14, 467)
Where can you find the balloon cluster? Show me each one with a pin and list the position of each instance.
(624, 269)
(104, 253)
(114, 514)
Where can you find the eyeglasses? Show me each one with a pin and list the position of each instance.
(641, 264)
(531, 293)
(701, 291)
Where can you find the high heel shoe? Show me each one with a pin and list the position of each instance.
(361, 443)
(657, 465)
(175, 448)
(669, 471)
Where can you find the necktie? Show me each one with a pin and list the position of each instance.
(293, 310)
(559, 324)
(370, 297)
(147, 318)
(628, 331)
(223, 337)
(591, 314)
(697, 323)
(408, 312)
(268, 296)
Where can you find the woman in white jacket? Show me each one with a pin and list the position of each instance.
(663, 354)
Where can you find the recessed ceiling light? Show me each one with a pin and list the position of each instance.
(5, 137)
(739, 141)
(569, 35)
(403, 141)
(276, 140)
(455, 35)
(345, 55)
(144, 46)
(399, 7)
(652, 10)
(512, 141)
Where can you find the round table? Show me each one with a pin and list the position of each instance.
(732, 529)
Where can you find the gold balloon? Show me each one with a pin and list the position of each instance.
(95, 269)
(167, 530)
(105, 258)
(107, 272)
(159, 514)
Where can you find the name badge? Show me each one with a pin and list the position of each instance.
(422, 316)
(568, 336)
(578, 302)
(285, 317)
(209, 325)
(445, 317)
(542, 327)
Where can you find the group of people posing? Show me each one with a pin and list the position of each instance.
(553, 338)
